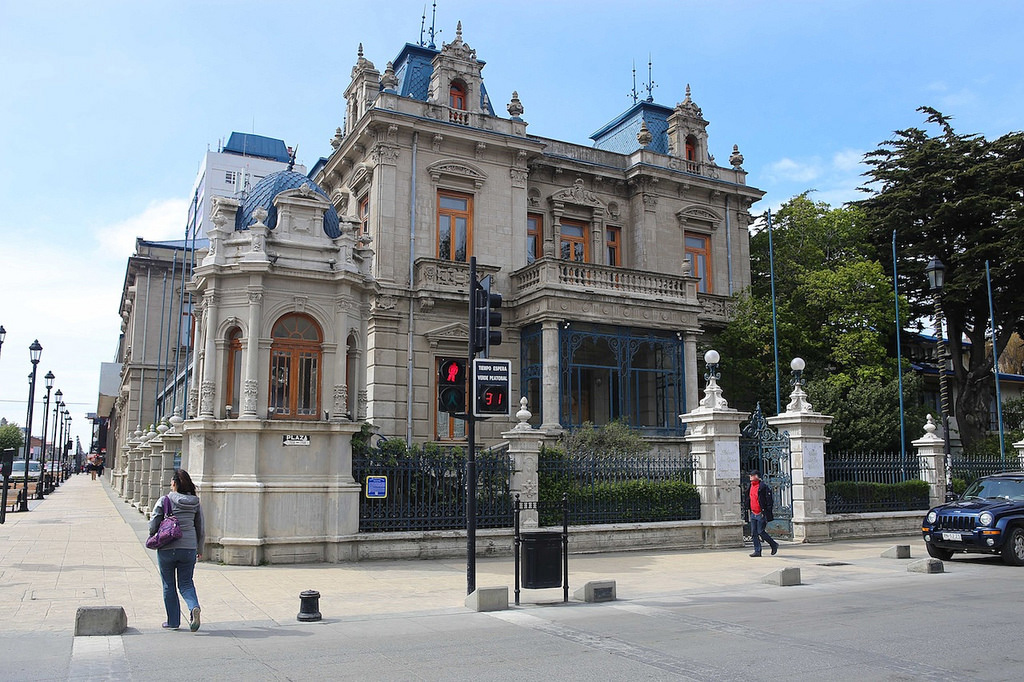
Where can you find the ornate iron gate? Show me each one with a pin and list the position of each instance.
(765, 449)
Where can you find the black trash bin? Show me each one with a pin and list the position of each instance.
(542, 559)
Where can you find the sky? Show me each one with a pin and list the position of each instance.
(108, 107)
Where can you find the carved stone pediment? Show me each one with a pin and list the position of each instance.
(577, 194)
(450, 334)
(457, 169)
(692, 215)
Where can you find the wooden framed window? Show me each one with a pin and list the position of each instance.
(447, 427)
(457, 96)
(691, 148)
(534, 236)
(454, 226)
(364, 214)
(295, 368)
(574, 241)
(234, 373)
(698, 252)
(612, 242)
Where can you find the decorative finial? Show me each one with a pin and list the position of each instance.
(523, 415)
(633, 92)
(360, 55)
(338, 137)
(687, 93)
(260, 214)
(515, 107)
(458, 31)
(650, 80)
(736, 159)
(389, 81)
(929, 428)
(644, 137)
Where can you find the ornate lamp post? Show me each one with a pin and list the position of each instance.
(34, 352)
(41, 485)
(53, 448)
(63, 431)
(936, 272)
(3, 335)
(67, 434)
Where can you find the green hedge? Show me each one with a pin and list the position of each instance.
(619, 502)
(847, 496)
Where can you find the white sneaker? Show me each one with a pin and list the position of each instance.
(194, 623)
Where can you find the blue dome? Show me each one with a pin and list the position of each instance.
(267, 189)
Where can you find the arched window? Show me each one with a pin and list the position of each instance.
(295, 368)
(457, 96)
(691, 148)
(234, 372)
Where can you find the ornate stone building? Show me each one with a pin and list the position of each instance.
(332, 299)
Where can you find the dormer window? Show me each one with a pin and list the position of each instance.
(457, 96)
(691, 148)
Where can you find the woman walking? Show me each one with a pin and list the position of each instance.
(177, 559)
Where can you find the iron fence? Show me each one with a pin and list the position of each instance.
(609, 487)
(426, 489)
(967, 470)
(873, 482)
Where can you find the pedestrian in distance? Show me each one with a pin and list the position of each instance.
(177, 559)
(758, 502)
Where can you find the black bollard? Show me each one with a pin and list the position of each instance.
(309, 606)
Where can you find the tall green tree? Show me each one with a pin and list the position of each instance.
(11, 437)
(834, 309)
(958, 197)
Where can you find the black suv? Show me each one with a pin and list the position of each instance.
(988, 518)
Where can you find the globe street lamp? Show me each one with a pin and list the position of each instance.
(41, 485)
(936, 272)
(34, 352)
(53, 441)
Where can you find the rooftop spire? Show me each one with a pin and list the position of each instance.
(431, 33)
(650, 85)
(633, 92)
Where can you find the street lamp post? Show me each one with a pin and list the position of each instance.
(67, 435)
(34, 352)
(936, 272)
(41, 485)
(3, 335)
(63, 432)
(53, 448)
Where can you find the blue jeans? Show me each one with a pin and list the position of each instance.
(176, 568)
(758, 532)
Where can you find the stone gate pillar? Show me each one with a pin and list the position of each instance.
(807, 461)
(932, 460)
(713, 432)
(524, 443)
(1019, 447)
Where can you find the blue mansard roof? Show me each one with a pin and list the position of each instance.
(620, 135)
(248, 144)
(267, 189)
(413, 68)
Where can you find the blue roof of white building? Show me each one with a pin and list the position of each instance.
(413, 68)
(267, 189)
(620, 134)
(248, 144)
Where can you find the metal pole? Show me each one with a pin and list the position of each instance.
(471, 438)
(34, 350)
(775, 326)
(899, 359)
(53, 446)
(41, 485)
(995, 364)
(944, 399)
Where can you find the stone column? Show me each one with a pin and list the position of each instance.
(146, 469)
(932, 459)
(250, 384)
(131, 464)
(138, 467)
(172, 440)
(690, 369)
(1019, 447)
(550, 377)
(807, 465)
(524, 443)
(339, 404)
(206, 388)
(156, 456)
(713, 432)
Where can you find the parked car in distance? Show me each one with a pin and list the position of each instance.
(18, 470)
(988, 518)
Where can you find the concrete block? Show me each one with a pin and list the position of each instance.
(897, 552)
(925, 566)
(100, 621)
(596, 591)
(784, 577)
(488, 599)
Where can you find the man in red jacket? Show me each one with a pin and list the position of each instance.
(759, 502)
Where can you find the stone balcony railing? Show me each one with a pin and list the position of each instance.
(590, 277)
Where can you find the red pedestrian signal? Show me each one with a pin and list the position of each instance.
(451, 386)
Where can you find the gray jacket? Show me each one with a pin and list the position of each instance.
(190, 517)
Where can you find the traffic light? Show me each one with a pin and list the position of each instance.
(486, 317)
(451, 386)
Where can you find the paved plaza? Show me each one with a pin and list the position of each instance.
(679, 615)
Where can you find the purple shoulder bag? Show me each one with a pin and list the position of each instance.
(169, 530)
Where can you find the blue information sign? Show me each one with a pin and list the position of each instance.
(376, 487)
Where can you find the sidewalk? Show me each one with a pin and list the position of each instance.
(82, 546)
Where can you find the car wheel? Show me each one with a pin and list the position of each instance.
(938, 552)
(1013, 549)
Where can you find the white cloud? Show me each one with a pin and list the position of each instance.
(161, 220)
(788, 169)
(848, 160)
